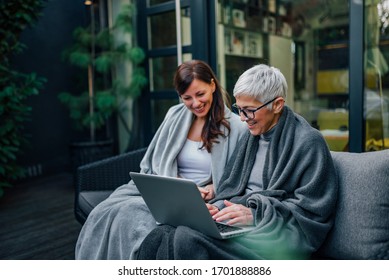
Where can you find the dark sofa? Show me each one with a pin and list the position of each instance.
(361, 228)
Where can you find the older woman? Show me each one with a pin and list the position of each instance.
(194, 141)
(281, 179)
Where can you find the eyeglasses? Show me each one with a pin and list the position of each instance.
(250, 114)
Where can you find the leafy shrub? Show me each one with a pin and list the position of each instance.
(15, 87)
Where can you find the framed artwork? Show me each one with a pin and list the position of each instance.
(238, 18)
(254, 45)
(238, 44)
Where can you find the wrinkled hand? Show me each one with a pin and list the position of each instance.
(236, 214)
(207, 192)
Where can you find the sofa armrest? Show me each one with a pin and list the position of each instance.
(110, 173)
(97, 180)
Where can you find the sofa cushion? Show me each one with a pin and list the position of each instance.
(361, 228)
(88, 200)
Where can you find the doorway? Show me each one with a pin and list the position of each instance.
(170, 37)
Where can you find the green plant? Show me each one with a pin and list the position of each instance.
(96, 51)
(15, 87)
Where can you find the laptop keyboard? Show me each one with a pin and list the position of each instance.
(226, 228)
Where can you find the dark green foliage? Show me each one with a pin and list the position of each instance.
(15, 87)
(99, 51)
(14, 112)
(15, 16)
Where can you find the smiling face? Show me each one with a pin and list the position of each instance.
(264, 119)
(198, 97)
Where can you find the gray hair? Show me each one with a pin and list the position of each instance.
(261, 82)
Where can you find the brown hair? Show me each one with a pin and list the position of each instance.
(197, 69)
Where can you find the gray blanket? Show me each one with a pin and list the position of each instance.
(293, 213)
(117, 226)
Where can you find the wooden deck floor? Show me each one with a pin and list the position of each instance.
(37, 220)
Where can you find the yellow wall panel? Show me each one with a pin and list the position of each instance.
(332, 82)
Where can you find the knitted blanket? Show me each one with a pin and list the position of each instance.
(293, 213)
(116, 227)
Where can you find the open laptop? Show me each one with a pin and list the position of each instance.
(177, 201)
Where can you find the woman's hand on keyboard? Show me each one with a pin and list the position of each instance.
(236, 214)
(212, 209)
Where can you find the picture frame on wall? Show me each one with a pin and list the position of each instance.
(238, 42)
(238, 18)
(269, 24)
(254, 45)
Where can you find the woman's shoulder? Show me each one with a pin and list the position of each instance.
(306, 134)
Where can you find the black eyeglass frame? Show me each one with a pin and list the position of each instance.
(246, 111)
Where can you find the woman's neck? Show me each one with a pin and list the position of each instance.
(196, 129)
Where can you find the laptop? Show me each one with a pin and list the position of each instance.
(177, 201)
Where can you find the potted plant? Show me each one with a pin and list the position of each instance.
(96, 52)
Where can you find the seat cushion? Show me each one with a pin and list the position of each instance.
(89, 199)
(361, 228)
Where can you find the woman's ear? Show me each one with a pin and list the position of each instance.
(213, 85)
(279, 105)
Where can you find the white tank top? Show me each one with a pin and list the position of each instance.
(194, 163)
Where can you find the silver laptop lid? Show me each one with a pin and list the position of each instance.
(177, 201)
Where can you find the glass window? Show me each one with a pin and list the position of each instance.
(163, 40)
(307, 40)
(162, 70)
(162, 30)
(186, 34)
(376, 74)
(187, 56)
